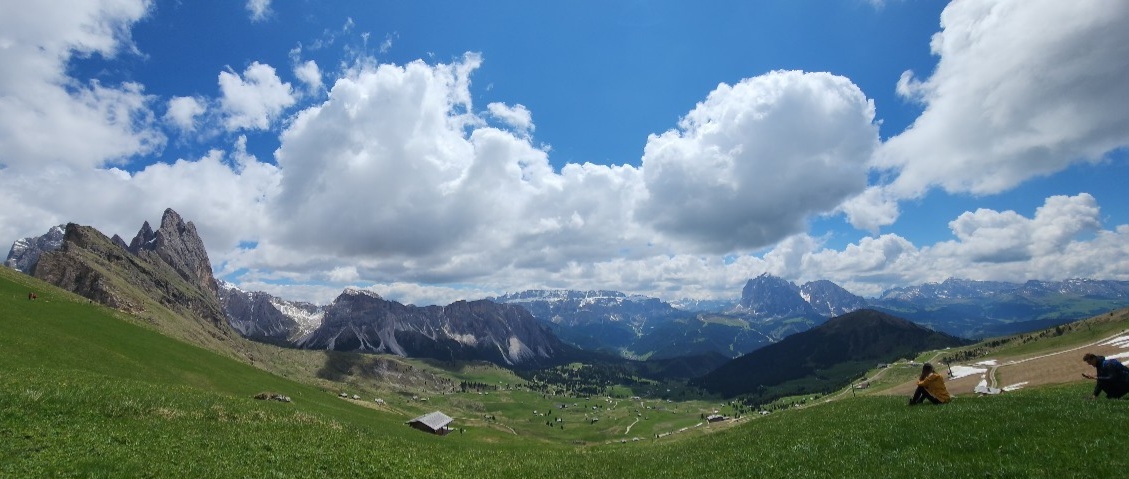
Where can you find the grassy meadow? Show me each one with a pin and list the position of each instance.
(84, 393)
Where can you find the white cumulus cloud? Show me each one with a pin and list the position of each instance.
(749, 164)
(48, 116)
(1023, 88)
(517, 116)
(183, 110)
(255, 99)
(1063, 239)
(309, 73)
(397, 175)
(989, 236)
(222, 193)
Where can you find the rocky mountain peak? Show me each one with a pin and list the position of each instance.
(144, 239)
(177, 244)
(364, 293)
(25, 252)
(160, 272)
(774, 296)
(117, 240)
(262, 317)
(830, 299)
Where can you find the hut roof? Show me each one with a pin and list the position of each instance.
(435, 420)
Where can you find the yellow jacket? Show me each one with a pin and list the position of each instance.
(934, 384)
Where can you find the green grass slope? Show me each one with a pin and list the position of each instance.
(92, 265)
(60, 334)
(85, 394)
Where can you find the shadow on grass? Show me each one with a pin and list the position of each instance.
(340, 366)
(381, 371)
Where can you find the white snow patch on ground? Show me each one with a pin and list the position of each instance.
(1015, 386)
(962, 371)
(1118, 356)
(983, 388)
(987, 362)
(1120, 341)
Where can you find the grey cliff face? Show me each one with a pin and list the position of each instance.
(829, 299)
(504, 334)
(770, 297)
(177, 244)
(168, 266)
(262, 317)
(25, 253)
(67, 270)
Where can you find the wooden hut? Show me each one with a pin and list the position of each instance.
(435, 423)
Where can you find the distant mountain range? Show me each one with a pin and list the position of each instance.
(824, 358)
(529, 328)
(360, 320)
(641, 327)
(771, 308)
(981, 309)
(607, 321)
(168, 269)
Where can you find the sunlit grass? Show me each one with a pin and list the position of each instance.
(63, 423)
(84, 394)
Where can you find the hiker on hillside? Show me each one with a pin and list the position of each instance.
(931, 386)
(1111, 376)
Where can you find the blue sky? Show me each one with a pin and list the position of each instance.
(435, 151)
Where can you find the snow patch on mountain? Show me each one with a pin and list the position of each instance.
(308, 320)
(25, 252)
(361, 292)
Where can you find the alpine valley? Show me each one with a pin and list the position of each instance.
(166, 272)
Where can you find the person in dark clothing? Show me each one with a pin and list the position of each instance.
(1111, 376)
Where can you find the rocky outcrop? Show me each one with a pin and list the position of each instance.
(166, 269)
(829, 299)
(74, 266)
(265, 318)
(508, 335)
(25, 252)
(177, 244)
(771, 297)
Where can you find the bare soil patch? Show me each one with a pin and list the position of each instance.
(1055, 367)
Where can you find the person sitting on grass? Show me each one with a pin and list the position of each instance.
(1112, 376)
(931, 386)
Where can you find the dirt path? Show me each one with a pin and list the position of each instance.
(1051, 365)
(875, 377)
(1056, 367)
(628, 431)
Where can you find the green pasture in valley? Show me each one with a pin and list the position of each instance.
(84, 393)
